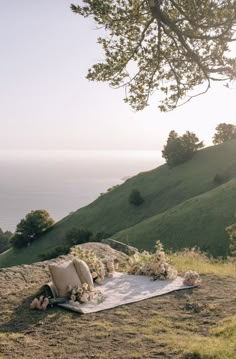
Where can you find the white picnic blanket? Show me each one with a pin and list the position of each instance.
(124, 288)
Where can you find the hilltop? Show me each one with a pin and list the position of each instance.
(197, 323)
(188, 205)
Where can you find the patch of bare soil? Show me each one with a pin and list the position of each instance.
(128, 332)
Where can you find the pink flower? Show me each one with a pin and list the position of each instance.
(84, 298)
(94, 275)
(91, 295)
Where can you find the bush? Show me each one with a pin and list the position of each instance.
(220, 179)
(54, 253)
(18, 241)
(135, 198)
(232, 236)
(101, 235)
(78, 236)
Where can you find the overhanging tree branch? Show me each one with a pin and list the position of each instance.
(172, 46)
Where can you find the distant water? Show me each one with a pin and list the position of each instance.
(62, 181)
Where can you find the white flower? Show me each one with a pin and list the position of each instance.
(85, 286)
(73, 298)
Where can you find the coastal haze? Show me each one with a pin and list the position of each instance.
(62, 181)
(48, 104)
(51, 115)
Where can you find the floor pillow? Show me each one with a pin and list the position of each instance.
(64, 276)
(83, 272)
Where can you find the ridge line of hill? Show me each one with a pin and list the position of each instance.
(162, 189)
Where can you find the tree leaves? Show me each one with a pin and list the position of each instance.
(224, 132)
(30, 227)
(169, 47)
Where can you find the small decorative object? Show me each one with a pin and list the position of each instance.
(41, 303)
(191, 278)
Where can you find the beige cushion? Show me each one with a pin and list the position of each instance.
(63, 276)
(83, 272)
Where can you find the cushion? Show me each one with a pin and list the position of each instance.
(83, 272)
(63, 276)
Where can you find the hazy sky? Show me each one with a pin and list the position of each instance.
(46, 102)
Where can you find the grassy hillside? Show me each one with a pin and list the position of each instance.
(198, 221)
(165, 192)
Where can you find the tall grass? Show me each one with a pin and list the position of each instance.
(195, 260)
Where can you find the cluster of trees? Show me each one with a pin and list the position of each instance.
(35, 224)
(5, 240)
(31, 227)
(179, 149)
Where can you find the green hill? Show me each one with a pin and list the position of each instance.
(198, 221)
(182, 206)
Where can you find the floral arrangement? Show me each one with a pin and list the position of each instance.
(99, 269)
(152, 264)
(191, 278)
(84, 295)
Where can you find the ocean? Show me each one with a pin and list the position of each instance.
(62, 181)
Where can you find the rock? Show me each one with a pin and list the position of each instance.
(21, 277)
(119, 246)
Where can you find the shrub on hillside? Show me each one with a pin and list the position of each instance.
(55, 252)
(18, 241)
(135, 198)
(232, 236)
(101, 235)
(220, 179)
(78, 236)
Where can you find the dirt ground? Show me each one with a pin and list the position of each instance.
(131, 331)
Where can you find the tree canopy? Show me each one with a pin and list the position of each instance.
(31, 227)
(4, 240)
(168, 46)
(180, 148)
(224, 132)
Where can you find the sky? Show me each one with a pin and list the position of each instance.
(46, 103)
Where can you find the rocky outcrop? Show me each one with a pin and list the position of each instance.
(19, 278)
(119, 246)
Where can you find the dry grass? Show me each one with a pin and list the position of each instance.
(194, 260)
(197, 323)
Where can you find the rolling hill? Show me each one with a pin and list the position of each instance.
(188, 205)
